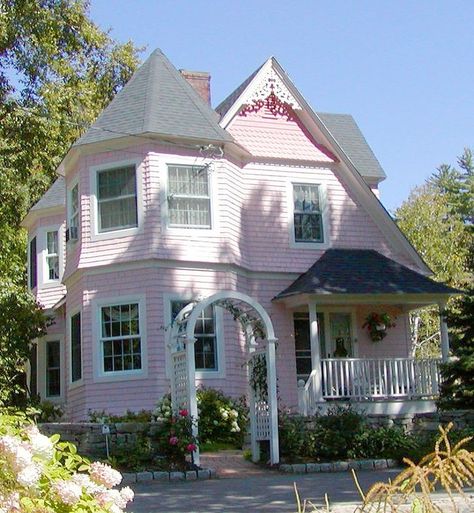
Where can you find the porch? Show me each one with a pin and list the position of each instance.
(352, 334)
(376, 385)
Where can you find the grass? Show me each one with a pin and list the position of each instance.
(218, 446)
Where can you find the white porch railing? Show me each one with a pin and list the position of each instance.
(361, 379)
(385, 378)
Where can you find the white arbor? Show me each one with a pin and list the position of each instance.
(260, 349)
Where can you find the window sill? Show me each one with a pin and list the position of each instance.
(120, 376)
(310, 245)
(115, 234)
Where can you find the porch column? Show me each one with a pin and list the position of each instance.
(315, 352)
(443, 327)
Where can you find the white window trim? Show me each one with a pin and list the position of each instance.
(324, 213)
(30, 238)
(79, 382)
(73, 184)
(97, 360)
(219, 328)
(41, 367)
(94, 207)
(42, 249)
(213, 196)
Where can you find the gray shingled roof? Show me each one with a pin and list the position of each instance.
(55, 196)
(347, 133)
(342, 127)
(156, 100)
(361, 271)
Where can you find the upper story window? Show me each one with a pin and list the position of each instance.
(189, 203)
(120, 340)
(205, 347)
(52, 256)
(33, 264)
(117, 198)
(72, 232)
(307, 213)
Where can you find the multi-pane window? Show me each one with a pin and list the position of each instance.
(120, 338)
(117, 198)
(52, 255)
(308, 221)
(205, 347)
(33, 277)
(76, 348)
(53, 368)
(189, 203)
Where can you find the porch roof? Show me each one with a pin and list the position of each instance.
(362, 271)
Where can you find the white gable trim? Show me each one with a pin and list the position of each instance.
(359, 187)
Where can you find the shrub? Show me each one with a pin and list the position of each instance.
(43, 474)
(221, 418)
(334, 434)
(383, 442)
(175, 440)
(293, 435)
(101, 416)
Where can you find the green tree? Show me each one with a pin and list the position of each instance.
(58, 70)
(437, 219)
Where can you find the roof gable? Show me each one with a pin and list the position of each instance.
(55, 196)
(156, 100)
(266, 80)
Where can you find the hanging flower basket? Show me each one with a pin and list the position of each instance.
(377, 325)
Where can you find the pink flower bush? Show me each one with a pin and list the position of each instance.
(173, 440)
(183, 413)
(191, 447)
(105, 475)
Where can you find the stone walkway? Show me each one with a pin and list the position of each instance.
(231, 464)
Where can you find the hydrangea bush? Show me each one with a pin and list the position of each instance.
(221, 418)
(41, 474)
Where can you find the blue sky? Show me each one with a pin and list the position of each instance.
(402, 68)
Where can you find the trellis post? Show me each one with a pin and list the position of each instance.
(191, 382)
(272, 400)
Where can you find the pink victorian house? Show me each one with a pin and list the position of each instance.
(165, 200)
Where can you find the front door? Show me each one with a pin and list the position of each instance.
(303, 343)
(340, 333)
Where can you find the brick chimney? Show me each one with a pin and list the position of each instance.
(200, 81)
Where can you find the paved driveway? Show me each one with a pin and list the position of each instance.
(269, 492)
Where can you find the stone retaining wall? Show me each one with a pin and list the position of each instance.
(425, 422)
(90, 440)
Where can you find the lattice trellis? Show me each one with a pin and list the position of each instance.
(179, 381)
(257, 326)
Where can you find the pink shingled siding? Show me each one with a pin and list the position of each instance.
(155, 284)
(250, 240)
(277, 137)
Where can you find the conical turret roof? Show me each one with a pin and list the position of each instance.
(156, 100)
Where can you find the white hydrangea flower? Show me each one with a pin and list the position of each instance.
(105, 475)
(109, 498)
(68, 492)
(85, 482)
(10, 503)
(127, 494)
(29, 476)
(234, 413)
(41, 446)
